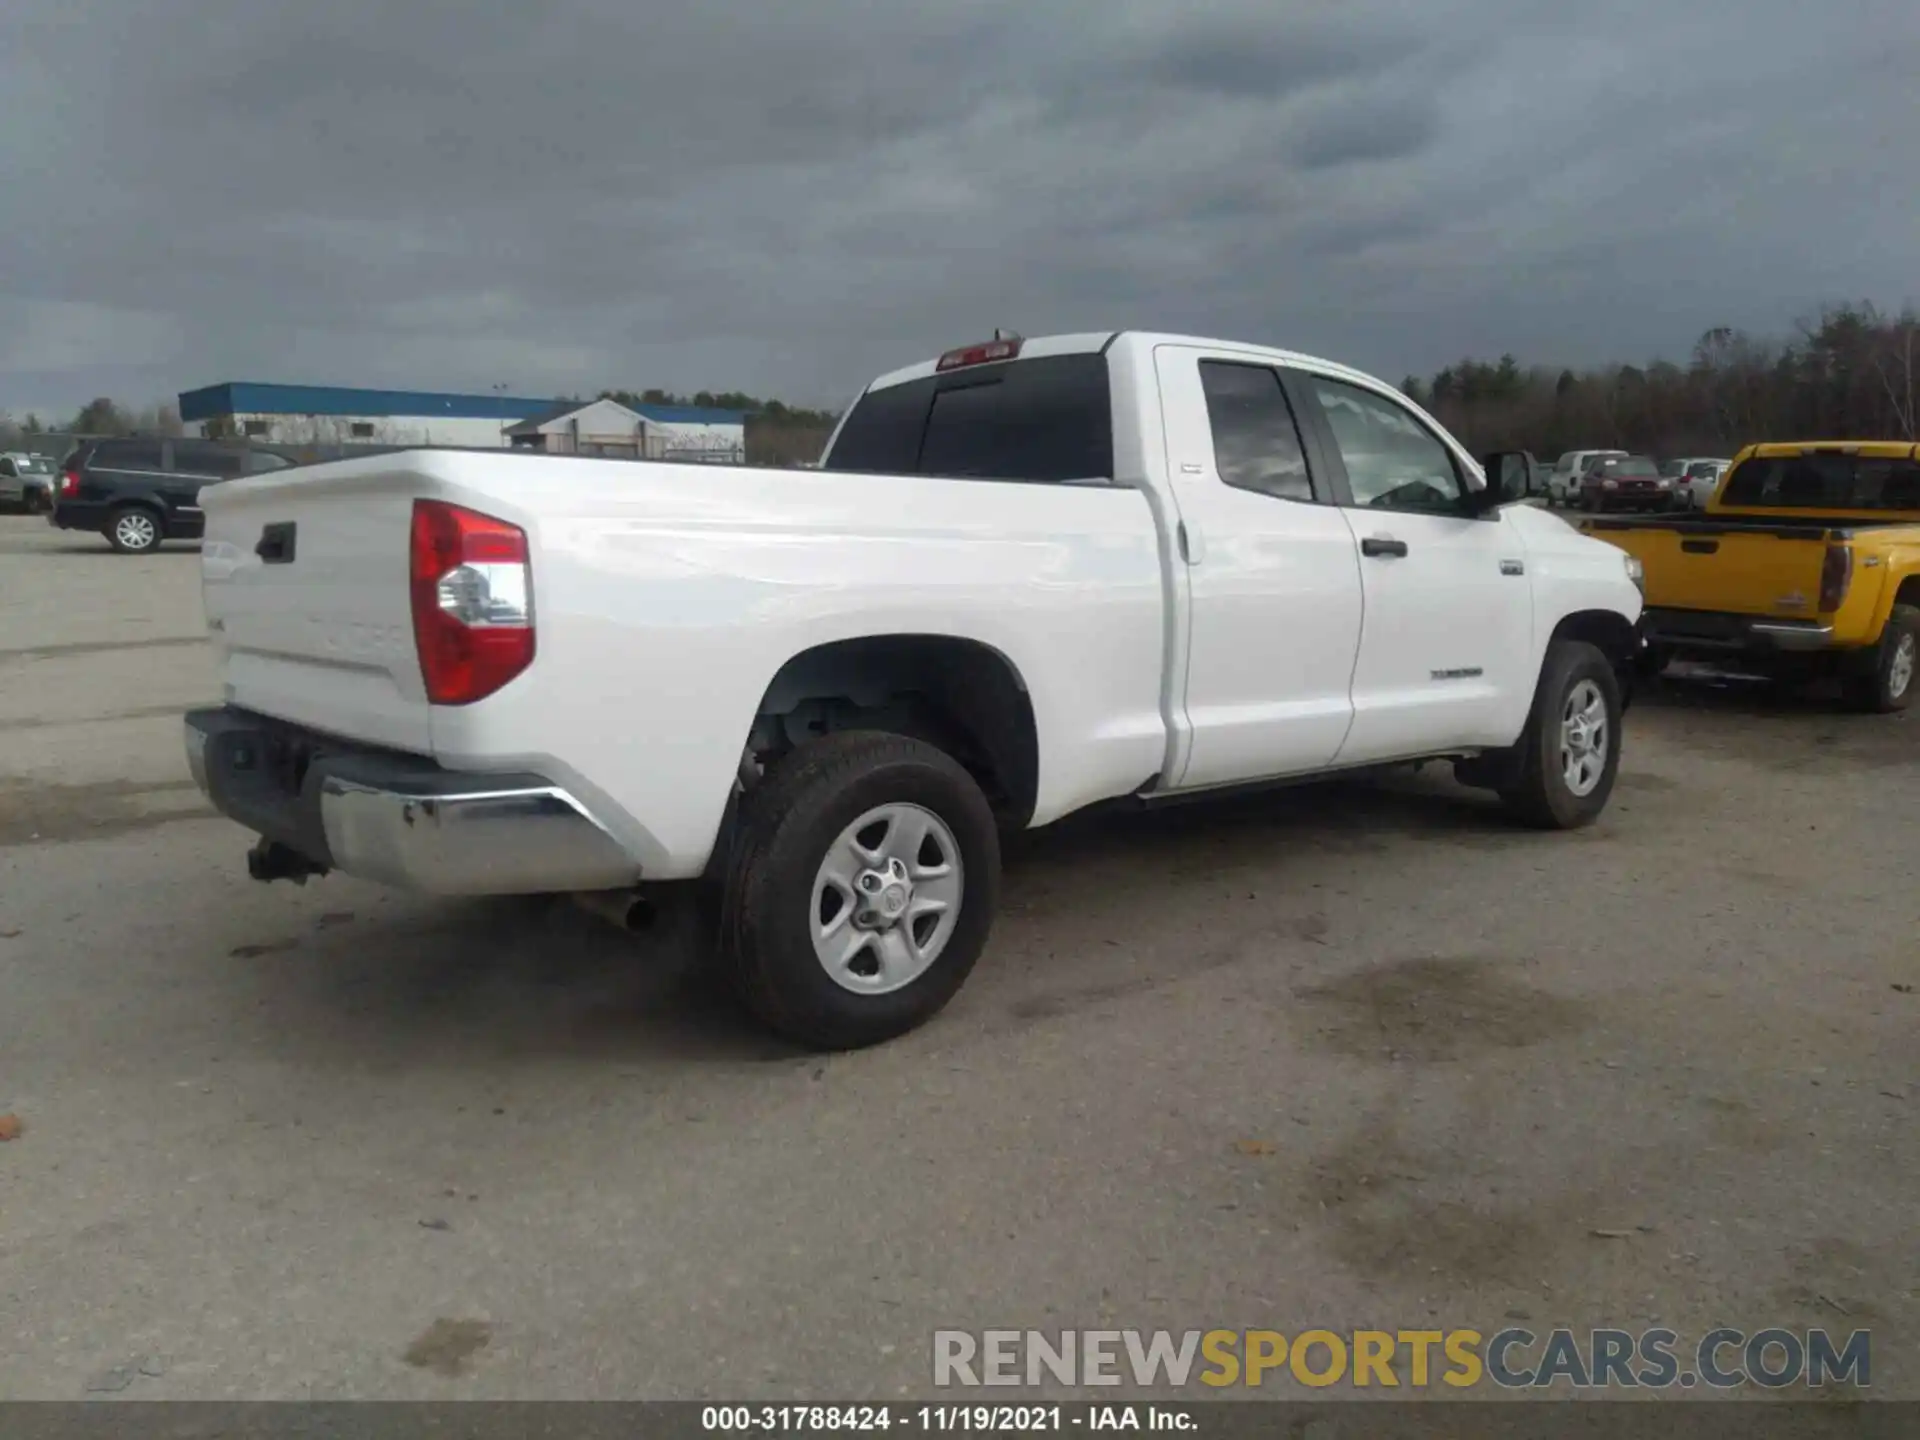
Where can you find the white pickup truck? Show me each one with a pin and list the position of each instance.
(1027, 577)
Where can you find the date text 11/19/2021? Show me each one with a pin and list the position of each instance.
(939, 1419)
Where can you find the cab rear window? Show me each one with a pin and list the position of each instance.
(1045, 420)
(1828, 481)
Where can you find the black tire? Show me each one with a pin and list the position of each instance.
(131, 537)
(787, 825)
(1535, 788)
(1887, 686)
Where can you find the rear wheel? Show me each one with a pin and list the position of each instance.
(133, 530)
(861, 890)
(1888, 686)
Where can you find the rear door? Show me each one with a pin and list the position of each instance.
(1447, 645)
(196, 466)
(1272, 571)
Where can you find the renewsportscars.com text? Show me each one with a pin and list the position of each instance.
(1513, 1358)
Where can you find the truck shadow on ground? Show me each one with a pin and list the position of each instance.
(1777, 724)
(463, 981)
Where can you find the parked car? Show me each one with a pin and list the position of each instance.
(1694, 480)
(1806, 561)
(1624, 482)
(142, 490)
(26, 481)
(1029, 576)
(1563, 481)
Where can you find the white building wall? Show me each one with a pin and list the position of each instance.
(681, 440)
(381, 430)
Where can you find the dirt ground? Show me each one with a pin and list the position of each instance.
(1337, 1057)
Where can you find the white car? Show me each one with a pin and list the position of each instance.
(1695, 478)
(1028, 577)
(1563, 481)
(26, 480)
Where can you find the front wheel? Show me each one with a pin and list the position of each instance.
(861, 890)
(1561, 772)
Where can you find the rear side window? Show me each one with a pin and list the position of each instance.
(1824, 482)
(219, 461)
(1256, 444)
(261, 461)
(1045, 420)
(126, 455)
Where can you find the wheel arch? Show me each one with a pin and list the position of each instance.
(1608, 631)
(959, 693)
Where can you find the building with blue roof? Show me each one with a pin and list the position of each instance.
(336, 415)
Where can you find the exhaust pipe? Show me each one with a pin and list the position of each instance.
(626, 910)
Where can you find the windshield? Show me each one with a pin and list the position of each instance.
(1673, 469)
(1044, 420)
(36, 465)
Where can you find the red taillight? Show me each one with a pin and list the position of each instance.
(979, 354)
(1836, 574)
(472, 602)
(70, 482)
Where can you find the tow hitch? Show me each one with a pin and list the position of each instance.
(270, 860)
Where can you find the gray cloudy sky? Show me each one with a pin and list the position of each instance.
(785, 198)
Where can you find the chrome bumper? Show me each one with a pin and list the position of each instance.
(1710, 632)
(405, 822)
(1793, 637)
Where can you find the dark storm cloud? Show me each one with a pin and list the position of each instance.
(785, 199)
(1365, 126)
(1265, 55)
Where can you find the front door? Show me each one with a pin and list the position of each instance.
(1272, 572)
(1446, 651)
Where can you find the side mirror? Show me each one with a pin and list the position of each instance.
(1512, 477)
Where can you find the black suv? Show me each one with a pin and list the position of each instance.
(140, 491)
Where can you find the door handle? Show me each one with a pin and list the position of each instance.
(1378, 546)
(1192, 548)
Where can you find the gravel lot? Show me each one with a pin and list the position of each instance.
(1342, 1056)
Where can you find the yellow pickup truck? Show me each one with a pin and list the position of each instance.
(1805, 562)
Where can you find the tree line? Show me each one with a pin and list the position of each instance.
(1847, 374)
(1850, 373)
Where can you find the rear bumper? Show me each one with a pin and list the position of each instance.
(76, 515)
(399, 819)
(1712, 632)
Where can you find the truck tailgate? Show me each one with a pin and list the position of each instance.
(305, 581)
(1740, 570)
